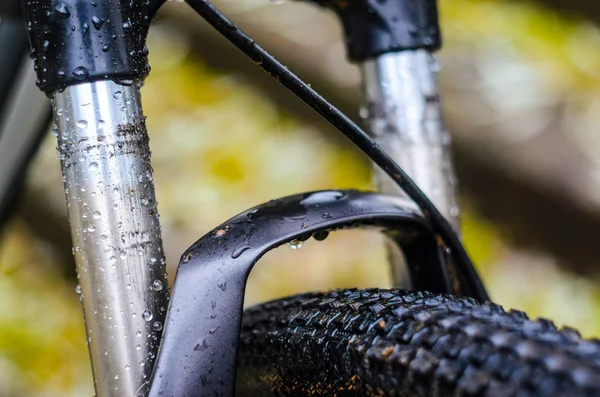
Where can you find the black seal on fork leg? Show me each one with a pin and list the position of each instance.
(75, 41)
(375, 27)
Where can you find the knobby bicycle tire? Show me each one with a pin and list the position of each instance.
(352, 343)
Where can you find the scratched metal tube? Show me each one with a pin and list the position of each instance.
(105, 159)
(402, 112)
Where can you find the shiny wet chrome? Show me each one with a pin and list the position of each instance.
(403, 113)
(105, 159)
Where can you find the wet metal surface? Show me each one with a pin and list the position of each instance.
(105, 159)
(403, 113)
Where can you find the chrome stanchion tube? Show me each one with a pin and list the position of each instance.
(403, 113)
(105, 159)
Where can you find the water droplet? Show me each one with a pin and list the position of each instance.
(91, 228)
(326, 215)
(93, 166)
(201, 346)
(147, 315)
(97, 22)
(322, 197)
(81, 73)
(62, 10)
(157, 326)
(83, 124)
(142, 363)
(78, 289)
(144, 201)
(123, 255)
(364, 112)
(295, 244)
(113, 260)
(127, 367)
(118, 94)
(152, 260)
(157, 285)
(239, 251)
(455, 211)
(320, 236)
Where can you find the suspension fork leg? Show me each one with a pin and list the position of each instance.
(90, 60)
(403, 113)
(105, 160)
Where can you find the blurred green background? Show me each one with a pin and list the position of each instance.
(521, 88)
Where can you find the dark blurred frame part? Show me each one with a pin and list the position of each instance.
(393, 42)
(91, 58)
(24, 112)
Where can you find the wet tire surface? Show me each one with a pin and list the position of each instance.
(352, 343)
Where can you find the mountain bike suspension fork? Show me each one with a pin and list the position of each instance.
(91, 59)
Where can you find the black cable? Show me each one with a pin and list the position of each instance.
(352, 131)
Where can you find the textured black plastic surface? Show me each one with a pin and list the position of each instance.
(75, 41)
(375, 27)
(387, 343)
(199, 347)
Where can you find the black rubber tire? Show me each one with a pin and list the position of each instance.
(399, 343)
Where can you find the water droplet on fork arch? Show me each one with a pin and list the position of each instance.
(78, 289)
(239, 251)
(295, 244)
(93, 166)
